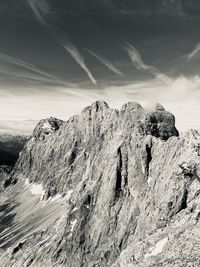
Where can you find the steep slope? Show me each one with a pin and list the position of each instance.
(122, 186)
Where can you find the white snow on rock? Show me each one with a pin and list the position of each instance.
(73, 223)
(74, 209)
(36, 189)
(150, 181)
(68, 195)
(47, 126)
(157, 249)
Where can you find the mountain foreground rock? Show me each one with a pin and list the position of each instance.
(107, 188)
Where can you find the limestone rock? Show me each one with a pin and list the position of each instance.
(46, 127)
(161, 123)
(100, 190)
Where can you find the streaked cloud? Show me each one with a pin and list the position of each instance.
(21, 63)
(40, 8)
(194, 52)
(138, 62)
(74, 52)
(106, 63)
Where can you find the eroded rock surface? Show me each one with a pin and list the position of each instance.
(125, 200)
(161, 123)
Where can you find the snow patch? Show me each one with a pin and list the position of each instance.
(46, 126)
(150, 181)
(36, 189)
(157, 249)
(73, 223)
(74, 209)
(68, 195)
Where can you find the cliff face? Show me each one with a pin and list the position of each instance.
(113, 188)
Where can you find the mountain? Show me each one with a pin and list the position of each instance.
(10, 147)
(106, 188)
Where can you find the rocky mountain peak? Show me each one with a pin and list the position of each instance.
(96, 106)
(159, 107)
(161, 123)
(131, 106)
(102, 190)
(46, 127)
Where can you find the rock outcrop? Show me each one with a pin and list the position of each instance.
(124, 200)
(46, 127)
(161, 123)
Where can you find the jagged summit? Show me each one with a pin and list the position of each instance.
(159, 107)
(159, 123)
(46, 127)
(96, 106)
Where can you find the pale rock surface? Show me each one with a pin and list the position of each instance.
(123, 199)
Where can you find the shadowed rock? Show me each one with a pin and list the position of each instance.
(161, 123)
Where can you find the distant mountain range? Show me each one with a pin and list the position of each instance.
(10, 147)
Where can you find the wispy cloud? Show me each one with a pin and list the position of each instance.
(194, 52)
(24, 64)
(106, 63)
(138, 62)
(74, 52)
(16, 70)
(40, 9)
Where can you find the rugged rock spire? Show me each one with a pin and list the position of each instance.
(161, 123)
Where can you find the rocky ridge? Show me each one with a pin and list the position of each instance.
(127, 185)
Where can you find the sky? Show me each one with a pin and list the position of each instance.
(57, 56)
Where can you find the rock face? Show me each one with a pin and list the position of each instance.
(161, 123)
(46, 127)
(124, 197)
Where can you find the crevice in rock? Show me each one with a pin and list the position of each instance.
(10, 181)
(30, 262)
(149, 158)
(183, 204)
(118, 186)
(72, 157)
(123, 242)
(88, 200)
(73, 154)
(17, 248)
